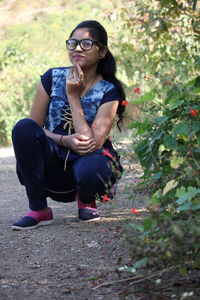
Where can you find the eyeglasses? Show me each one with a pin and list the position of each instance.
(85, 44)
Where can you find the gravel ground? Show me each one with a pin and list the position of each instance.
(68, 259)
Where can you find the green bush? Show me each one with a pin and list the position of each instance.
(169, 152)
(156, 37)
(161, 38)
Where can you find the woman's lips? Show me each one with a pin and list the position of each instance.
(77, 57)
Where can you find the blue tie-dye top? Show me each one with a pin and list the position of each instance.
(54, 82)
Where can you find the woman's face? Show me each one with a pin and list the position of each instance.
(85, 58)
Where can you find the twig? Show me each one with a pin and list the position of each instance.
(138, 278)
(117, 281)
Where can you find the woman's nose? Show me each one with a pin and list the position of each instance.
(78, 48)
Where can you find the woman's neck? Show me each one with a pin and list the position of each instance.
(90, 76)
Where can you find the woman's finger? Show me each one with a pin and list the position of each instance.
(85, 143)
(75, 74)
(70, 75)
(84, 152)
(80, 73)
(86, 147)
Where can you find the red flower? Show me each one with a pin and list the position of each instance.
(134, 211)
(196, 173)
(124, 102)
(106, 152)
(193, 112)
(106, 241)
(166, 83)
(146, 77)
(137, 90)
(132, 155)
(105, 198)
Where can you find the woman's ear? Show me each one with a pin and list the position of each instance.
(103, 52)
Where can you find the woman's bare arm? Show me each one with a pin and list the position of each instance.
(40, 105)
(103, 122)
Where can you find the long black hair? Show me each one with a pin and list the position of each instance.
(107, 65)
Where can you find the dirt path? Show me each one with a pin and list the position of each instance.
(67, 259)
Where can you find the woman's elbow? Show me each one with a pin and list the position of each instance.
(99, 143)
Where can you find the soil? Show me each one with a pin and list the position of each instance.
(74, 260)
(65, 260)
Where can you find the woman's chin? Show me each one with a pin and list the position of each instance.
(81, 64)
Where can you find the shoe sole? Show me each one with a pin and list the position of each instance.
(42, 223)
(90, 220)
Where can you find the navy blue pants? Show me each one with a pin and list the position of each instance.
(42, 172)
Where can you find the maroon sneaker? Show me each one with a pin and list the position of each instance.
(88, 214)
(34, 219)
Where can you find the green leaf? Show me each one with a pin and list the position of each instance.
(145, 98)
(142, 127)
(175, 103)
(182, 271)
(195, 207)
(181, 128)
(197, 81)
(137, 227)
(191, 83)
(176, 162)
(157, 175)
(161, 120)
(148, 223)
(196, 126)
(133, 124)
(181, 191)
(193, 191)
(198, 138)
(169, 142)
(169, 186)
(173, 95)
(184, 195)
(155, 199)
(140, 263)
(183, 199)
(157, 135)
(144, 152)
(183, 207)
(196, 90)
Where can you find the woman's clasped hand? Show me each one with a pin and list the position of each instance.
(79, 143)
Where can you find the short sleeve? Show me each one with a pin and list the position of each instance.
(111, 95)
(46, 80)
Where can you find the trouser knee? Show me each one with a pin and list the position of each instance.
(24, 131)
(92, 177)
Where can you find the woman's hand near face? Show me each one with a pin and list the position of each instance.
(79, 143)
(75, 82)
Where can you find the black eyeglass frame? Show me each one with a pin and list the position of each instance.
(78, 42)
